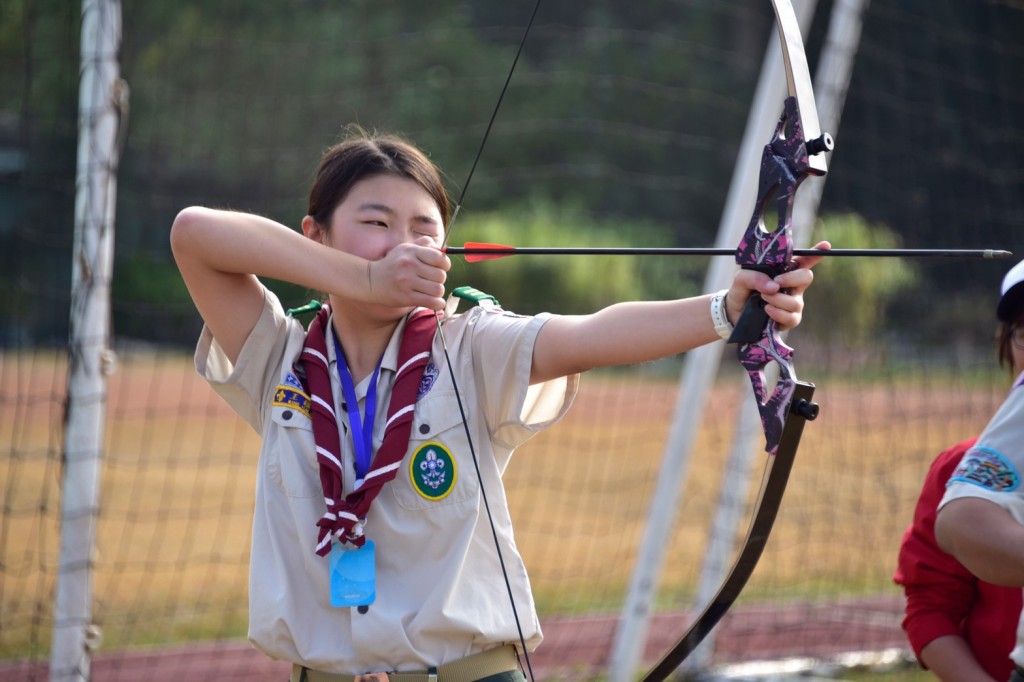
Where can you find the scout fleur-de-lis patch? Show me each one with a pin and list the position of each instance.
(432, 471)
(295, 398)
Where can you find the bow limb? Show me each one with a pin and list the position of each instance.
(801, 410)
(798, 81)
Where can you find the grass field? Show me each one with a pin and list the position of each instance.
(179, 474)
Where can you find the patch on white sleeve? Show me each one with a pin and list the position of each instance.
(988, 469)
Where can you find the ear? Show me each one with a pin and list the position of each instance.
(312, 229)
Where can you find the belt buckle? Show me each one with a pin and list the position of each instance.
(432, 675)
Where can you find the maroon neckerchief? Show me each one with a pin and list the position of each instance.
(345, 514)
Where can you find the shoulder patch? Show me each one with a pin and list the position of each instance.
(988, 469)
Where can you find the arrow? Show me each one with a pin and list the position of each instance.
(475, 252)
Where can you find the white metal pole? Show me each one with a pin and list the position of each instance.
(89, 357)
(831, 82)
(699, 367)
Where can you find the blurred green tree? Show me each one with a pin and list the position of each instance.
(849, 300)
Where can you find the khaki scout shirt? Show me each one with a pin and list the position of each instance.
(440, 591)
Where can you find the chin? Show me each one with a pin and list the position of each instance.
(377, 313)
(388, 314)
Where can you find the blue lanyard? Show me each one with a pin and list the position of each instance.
(362, 426)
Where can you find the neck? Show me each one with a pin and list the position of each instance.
(363, 342)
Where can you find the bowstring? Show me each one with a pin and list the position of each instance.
(490, 125)
(447, 357)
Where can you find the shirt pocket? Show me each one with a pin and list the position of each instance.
(437, 471)
(289, 452)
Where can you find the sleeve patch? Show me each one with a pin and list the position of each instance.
(988, 469)
(285, 396)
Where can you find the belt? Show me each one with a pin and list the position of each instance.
(469, 669)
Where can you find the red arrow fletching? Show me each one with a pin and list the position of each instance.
(482, 246)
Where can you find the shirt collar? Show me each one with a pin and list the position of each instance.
(388, 363)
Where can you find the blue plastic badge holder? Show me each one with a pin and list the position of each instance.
(353, 575)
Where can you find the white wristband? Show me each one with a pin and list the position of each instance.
(718, 316)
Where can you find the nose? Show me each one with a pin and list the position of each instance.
(425, 240)
(397, 238)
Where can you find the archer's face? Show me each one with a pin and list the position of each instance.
(382, 211)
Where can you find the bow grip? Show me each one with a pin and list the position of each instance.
(753, 319)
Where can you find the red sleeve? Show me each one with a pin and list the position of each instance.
(939, 590)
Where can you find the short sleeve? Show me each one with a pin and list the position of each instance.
(991, 469)
(247, 384)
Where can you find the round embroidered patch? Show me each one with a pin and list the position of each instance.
(432, 471)
(988, 469)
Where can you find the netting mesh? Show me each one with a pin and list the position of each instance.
(630, 114)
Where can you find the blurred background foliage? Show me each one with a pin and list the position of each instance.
(866, 287)
(621, 127)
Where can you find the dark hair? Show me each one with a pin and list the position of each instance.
(1010, 313)
(1004, 336)
(1004, 342)
(362, 155)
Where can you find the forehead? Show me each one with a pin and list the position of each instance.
(393, 193)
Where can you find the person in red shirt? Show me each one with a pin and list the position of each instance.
(960, 627)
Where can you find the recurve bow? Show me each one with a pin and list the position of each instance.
(795, 151)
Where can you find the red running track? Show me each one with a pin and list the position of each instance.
(573, 648)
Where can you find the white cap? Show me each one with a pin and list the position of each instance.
(1011, 295)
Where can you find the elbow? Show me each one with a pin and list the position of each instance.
(185, 228)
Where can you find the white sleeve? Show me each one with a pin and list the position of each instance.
(991, 469)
